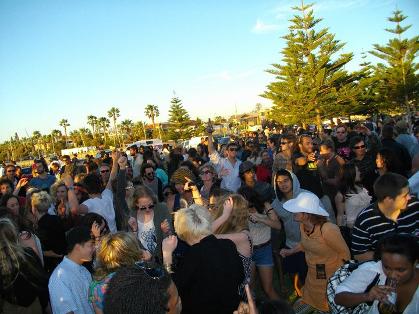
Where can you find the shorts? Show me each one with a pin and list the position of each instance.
(262, 256)
(295, 264)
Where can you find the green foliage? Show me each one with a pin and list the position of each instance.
(311, 82)
(179, 121)
(397, 76)
(152, 111)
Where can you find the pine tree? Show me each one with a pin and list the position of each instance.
(311, 83)
(397, 77)
(179, 121)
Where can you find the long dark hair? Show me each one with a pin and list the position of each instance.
(391, 161)
(254, 199)
(347, 182)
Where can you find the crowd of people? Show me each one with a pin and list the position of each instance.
(207, 229)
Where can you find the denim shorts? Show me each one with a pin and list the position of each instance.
(262, 257)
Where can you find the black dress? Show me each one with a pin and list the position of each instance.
(209, 277)
(30, 283)
(52, 236)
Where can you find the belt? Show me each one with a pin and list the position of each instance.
(262, 245)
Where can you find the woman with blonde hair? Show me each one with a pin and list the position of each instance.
(116, 250)
(63, 206)
(232, 223)
(49, 229)
(23, 281)
(209, 275)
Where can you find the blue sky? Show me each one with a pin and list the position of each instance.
(74, 58)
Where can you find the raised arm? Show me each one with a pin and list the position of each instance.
(71, 195)
(227, 209)
(115, 156)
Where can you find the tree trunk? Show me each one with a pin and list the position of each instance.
(319, 121)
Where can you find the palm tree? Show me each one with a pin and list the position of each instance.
(36, 135)
(64, 123)
(152, 112)
(92, 121)
(84, 135)
(76, 138)
(54, 135)
(104, 124)
(138, 130)
(113, 113)
(126, 127)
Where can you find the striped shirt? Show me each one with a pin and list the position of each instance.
(371, 225)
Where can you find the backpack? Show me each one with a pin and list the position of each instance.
(339, 276)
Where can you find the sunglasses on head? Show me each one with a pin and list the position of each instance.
(359, 146)
(152, 272)
(211, 206)
(151, 206)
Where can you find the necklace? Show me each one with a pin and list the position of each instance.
(309, 233)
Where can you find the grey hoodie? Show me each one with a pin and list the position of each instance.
(292, 228)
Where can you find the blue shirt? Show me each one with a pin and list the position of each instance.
(69, 288)
(42, 184)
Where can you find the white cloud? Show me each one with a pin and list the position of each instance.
(261, 27)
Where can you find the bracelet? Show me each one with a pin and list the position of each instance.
(269, 210)
(71, 188)
(168, 268)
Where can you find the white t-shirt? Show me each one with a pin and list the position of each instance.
(361, 277)
(104, 207)
(147, 235)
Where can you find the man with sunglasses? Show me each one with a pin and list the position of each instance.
(341, 141)
(365, 161)
(227, 167)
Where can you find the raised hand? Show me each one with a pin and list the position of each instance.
(132, 223)
(165, 226)
(228, 206)
(95, 229)
(169, 244)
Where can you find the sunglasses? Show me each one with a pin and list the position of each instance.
(359, 147)
(11, 171)
(232, 149)
(129, 187)
(151, 206)
(284, 143)
(104, 171)
(206, 172)
(167, 193)
(152, 272)
(211, 206)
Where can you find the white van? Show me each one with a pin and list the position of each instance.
(155, 142)
(192, 143)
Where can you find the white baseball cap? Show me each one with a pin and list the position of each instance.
(305, 202)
